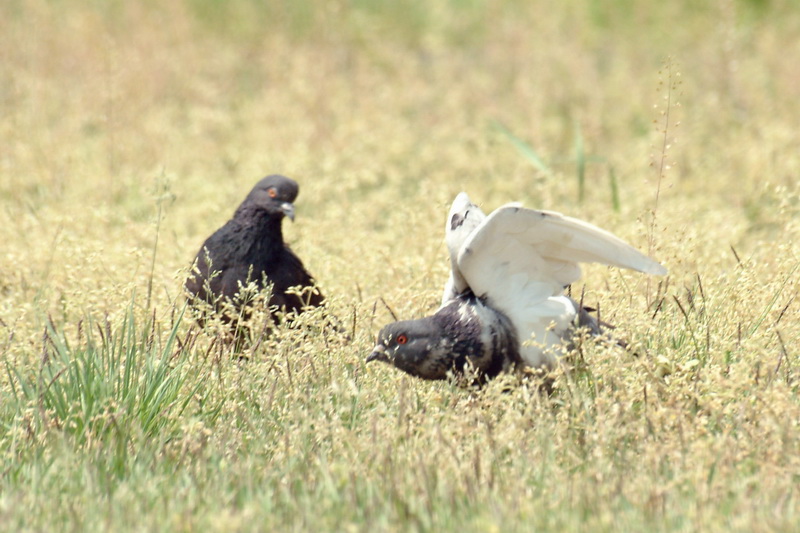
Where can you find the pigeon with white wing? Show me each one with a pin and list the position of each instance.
(504, 304)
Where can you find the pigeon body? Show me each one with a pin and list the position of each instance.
(514, 263)
(250, 248)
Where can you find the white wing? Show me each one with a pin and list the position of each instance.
(516, 246)
(462, 220)
(521, 259)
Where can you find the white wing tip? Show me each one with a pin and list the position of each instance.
(460, 203)
(654, 268)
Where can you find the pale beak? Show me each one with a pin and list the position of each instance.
(288, 210)
(378, 354)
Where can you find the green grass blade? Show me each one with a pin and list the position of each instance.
(525, 149)
(771, 304)
(614, 187)
(580, 163)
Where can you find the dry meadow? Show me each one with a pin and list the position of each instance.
(129, 131)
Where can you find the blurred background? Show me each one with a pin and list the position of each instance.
(113, 112)
(130, 131)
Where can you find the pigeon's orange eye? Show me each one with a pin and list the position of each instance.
(272, 193)
(402, 339)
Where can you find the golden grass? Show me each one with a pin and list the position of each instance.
(383, 113)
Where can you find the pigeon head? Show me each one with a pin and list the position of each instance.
(273, 194)
(417, 347)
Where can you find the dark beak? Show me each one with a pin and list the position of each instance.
(378, 354)
(288, 210)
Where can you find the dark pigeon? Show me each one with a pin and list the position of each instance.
(504, 305)
(250, 248)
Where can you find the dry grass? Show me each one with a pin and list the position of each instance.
(116, 116)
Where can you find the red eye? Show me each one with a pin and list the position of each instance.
(401, 339)
(272, 193)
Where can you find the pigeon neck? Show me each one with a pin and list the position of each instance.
(265, 227)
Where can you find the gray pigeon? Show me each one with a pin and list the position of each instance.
(504, 304)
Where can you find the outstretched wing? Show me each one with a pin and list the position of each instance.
(524, 254)
(463, 219)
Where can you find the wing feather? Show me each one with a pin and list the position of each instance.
(521, 259)
(545, 246)
(463, 219)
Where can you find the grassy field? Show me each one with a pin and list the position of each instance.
(129, 131)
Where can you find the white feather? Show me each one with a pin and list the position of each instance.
(520, 260)
(470, 217)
